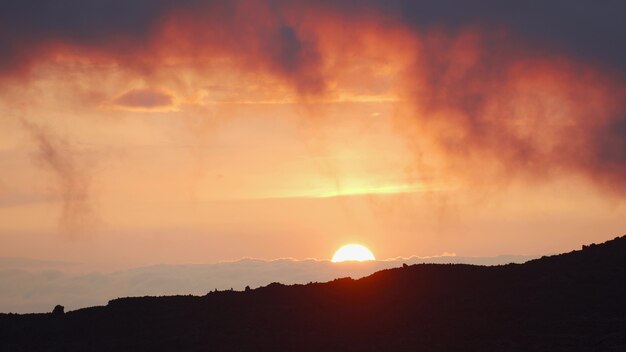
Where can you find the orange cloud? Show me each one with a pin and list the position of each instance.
(497, 111)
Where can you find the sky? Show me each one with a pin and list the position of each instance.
(144, 132)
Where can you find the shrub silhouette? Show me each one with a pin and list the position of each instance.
(58, 310)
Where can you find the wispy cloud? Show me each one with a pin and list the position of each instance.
(70, 178)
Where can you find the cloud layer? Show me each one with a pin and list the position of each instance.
(496, 90)
(28, 287)
(583, 29)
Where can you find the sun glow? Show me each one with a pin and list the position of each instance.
(353, 252)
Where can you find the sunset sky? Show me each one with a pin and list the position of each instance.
(141, 132)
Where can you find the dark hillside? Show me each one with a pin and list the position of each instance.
(569, 302)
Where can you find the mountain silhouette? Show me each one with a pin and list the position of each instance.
(567, 302)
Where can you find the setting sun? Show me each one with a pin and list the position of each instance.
(353, 252)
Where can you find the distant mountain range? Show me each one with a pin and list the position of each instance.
(568, 302)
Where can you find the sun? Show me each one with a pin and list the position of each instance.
(353, 252)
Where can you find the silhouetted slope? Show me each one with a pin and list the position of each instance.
(568, 302)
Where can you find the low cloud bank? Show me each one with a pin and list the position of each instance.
(25, 286)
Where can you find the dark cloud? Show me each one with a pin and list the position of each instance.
(582, 28)
(609, 154)
(28, 27)
(296, 56)
(144, 98)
